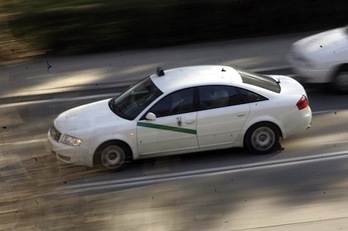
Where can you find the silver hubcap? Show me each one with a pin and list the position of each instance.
(263, 138)
(112, 157)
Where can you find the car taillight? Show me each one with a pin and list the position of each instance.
(302, 103)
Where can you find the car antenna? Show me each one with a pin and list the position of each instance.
(159, 71)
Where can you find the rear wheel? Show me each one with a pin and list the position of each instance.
(113, 156)
(262, 138)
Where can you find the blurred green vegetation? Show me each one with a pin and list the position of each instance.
(77, 26)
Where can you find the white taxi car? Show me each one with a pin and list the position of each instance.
(322, 58)
(183, 110)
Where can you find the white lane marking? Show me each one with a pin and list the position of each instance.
(59, 100)
(26, 142)
(337, 142)
(139, 181)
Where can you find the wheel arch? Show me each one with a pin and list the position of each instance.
(259, 123)
(338, 83)
(96, 160)
(337, 69)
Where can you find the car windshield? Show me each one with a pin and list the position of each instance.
(134, 100)
(259, 80)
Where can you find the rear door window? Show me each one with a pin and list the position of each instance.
(211, 97)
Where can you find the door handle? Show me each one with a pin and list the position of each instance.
(240, 114)
(189, 121)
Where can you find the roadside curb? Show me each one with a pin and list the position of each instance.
(95, 89)
(64, 92)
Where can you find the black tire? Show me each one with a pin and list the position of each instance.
(112, 156)
(262, 138)
(340, 83)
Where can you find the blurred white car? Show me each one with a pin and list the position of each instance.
(322, 58)
(183, 110)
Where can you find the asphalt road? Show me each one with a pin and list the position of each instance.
(303, 187)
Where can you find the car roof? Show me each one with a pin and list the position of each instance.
(178, 78)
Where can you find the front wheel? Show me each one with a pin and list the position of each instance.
(340, 83)
(262, 138)
(112, 156)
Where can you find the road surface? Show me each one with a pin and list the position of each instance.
(303, 187)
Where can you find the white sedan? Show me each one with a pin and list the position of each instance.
(322, 58)
(183, 110)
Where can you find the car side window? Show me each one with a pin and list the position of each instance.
(178, 102)
(218, 96)
(251, 97)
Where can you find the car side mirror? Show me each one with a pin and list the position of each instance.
(150, 116)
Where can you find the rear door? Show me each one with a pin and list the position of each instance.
(221, 115)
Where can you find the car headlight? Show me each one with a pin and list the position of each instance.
(301, 59)
(306, 62)
(70, 140)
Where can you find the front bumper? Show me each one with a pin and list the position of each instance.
(308, 74)
(69, 154)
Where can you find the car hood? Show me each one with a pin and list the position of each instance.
(84, 117)
(289, 85)
(327, 41)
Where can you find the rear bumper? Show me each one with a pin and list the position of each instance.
(305, 121)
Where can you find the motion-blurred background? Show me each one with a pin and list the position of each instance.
(78, 26)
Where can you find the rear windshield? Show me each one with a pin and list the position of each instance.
(259, 80)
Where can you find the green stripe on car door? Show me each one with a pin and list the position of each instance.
(165, 127)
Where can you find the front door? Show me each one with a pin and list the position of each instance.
(174, 127)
